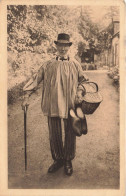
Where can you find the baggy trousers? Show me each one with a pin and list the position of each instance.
(58, 150)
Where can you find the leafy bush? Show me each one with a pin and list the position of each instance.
(113, 73)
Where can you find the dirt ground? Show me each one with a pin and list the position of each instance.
(96, 165)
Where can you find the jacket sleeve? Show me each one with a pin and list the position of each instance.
(33, 83)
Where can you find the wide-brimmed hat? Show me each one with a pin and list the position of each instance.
(63, 38)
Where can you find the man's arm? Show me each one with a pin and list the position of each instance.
(34, 81)
(32, 85)
(81, 74)
(81, 79)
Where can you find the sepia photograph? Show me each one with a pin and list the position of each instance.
(63, 96)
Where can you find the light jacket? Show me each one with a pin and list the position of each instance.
(60, 82)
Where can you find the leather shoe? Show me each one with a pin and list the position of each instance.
(83, 120)
(75, 123)
(55, 166)
(84, 126)
(68, 168)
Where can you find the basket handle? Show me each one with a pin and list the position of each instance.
(89, 83)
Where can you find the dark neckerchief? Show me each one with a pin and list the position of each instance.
(62, 58)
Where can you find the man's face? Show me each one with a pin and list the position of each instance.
(62, 49)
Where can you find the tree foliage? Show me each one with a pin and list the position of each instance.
(32, 30)
(30, 27)
(98, 40)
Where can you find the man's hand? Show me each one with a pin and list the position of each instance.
(79, 95)
(25, 103)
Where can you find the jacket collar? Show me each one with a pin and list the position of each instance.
(65, 58)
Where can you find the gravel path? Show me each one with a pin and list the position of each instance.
(96, 165)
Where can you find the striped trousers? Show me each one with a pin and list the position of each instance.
(59, 150)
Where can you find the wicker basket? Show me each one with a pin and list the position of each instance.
(89, 108)
(92, 98)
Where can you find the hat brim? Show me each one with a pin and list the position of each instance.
(60, 43)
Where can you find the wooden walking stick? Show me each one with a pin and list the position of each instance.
(25, 135)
